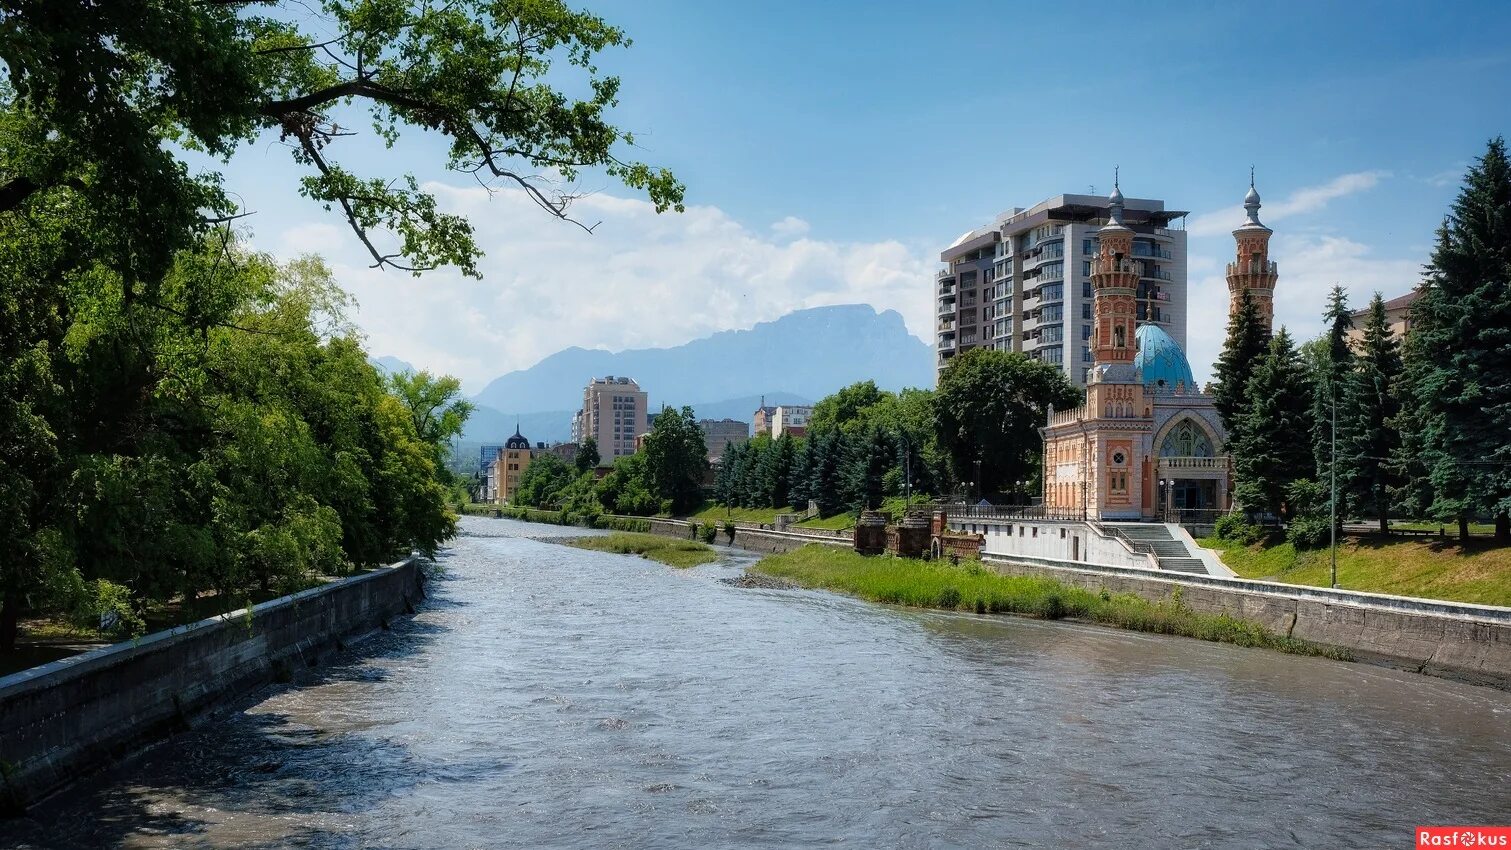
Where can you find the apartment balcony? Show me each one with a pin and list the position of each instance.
(944, 274)
(947, 343)
(1156, 275)
(946, 323)
(946, 306)
(1152, 253)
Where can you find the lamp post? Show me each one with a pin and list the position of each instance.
(1332, 526)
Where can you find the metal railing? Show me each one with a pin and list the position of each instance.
(961, 510)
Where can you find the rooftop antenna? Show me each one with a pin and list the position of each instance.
(1251, 176)
(1114, 177)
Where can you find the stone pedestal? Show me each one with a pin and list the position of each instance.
(871, 533)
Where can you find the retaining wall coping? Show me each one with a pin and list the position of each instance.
(55, 672)
(1355, 598)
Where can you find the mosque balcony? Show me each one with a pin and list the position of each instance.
(1254, 267)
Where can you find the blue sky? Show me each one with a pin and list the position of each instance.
(830, 150)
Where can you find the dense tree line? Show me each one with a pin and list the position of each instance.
(1423, 425)
(230, 436)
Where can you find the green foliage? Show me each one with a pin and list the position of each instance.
(729, 530)
(1268, 445)
(672, 552)
(229, 435)
(935, 584)
(112, 610)
(1244, 348)
(1454, 386)
(1330, 378)
(1368, 439)
(435, 406)
(105, 99)
(1236, 528)
(1308, 532)
(710, 533)
(543, 482)
(988, 410)
(587, 455)
(675, 459)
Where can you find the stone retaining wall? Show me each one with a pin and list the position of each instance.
(1470, 643)
(64, 719)
(749, 537)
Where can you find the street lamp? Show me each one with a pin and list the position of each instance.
(1332, 526)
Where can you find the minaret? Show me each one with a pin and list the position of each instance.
(1252, 270)
(1114, 283)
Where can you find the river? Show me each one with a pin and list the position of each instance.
(546, 696)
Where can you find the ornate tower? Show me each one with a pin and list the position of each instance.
(1252, 270)
(1114, 282)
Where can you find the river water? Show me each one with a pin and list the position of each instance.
(552, 697)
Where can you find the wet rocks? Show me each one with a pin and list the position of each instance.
(756, 580)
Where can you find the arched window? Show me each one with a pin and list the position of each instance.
(1120, 337)
(1186, 440)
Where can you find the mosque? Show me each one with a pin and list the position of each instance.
(1147, 441)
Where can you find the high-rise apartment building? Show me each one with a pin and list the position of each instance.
(790, 419)
(613, 413)
(1023, 282)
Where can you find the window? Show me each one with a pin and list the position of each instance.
(1086, 268)
(1085, 331)
(1086, 289)
(1062, 534)
(1036, 531)
(1088, 248)
(1085, 310)
(1085, 358)
(1052, 292)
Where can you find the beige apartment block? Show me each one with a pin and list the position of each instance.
(613, 413)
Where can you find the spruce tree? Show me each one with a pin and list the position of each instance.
(1457, 378)
(1368, 439)
(1328, 383)
(824, 475)
(1269, 445)
(1244, 347)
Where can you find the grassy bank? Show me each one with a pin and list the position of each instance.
(1433, 569)
(667, 550)
(920, 584)
(717, 514)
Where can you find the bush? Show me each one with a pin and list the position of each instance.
(1308, 532)
(692, 531)
(1236, 528)
(949, 597)
(710, 533)
(729, 530)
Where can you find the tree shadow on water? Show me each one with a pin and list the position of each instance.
(248, 777)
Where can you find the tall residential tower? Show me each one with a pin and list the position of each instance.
(1023, 283)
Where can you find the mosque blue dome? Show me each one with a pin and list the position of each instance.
(1159, 361)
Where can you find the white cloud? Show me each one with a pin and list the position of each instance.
(1303, 200)
(791, 226)
(1310, 265)
(639, 280)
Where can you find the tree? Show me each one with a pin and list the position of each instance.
(1368, 439)
(542, 481)
(435, 407)
(587, 455)
(675, 458)
(1328, 382)
(104, 98)
(868, 458)
(988, 408)
(1455, 379)
(825, 481)
(1244, 348)
(1269, 445)
(838, 409)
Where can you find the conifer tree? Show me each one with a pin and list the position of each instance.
(1269, 444)
(1457, 379)
(825, 480)
(1244, 347)
(1328, 383)
(869, 456)
(801, 489)
(1368, 439)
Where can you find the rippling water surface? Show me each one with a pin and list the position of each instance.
(551, 697)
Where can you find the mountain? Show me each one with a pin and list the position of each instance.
(808, 353)
(388, 364)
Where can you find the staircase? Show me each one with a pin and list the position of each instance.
(1153, 537)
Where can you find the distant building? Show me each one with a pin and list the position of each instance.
(1397, 317)
(720, 434)
(761, 422)
(613, 413)
(509, 466)
(566, 451)
(488, 453)
(790, 419)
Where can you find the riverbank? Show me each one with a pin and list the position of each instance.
(1479, 573)
(971, 587)
(681, 554)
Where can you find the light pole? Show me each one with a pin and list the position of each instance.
(1332, 397)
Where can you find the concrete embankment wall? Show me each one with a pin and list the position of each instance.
(1064, 540)
(63, 719)
(1471, 643)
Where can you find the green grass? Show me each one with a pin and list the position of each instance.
(668, 550)
(970, 587)
(1450, 528)
(1431, 569)
(479, 509)
(717, 513)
